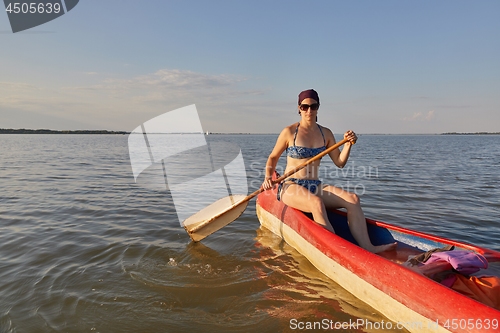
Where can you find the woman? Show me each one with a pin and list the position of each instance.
(304, 191)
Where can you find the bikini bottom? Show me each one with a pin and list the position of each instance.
(311, 184)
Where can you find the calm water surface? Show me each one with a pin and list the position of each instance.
(84, 248)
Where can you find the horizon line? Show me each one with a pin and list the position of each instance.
(103, 131)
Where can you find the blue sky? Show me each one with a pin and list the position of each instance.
(379, 66)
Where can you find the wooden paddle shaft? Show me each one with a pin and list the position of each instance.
(200, 226)
(297, 168)
(309, 161)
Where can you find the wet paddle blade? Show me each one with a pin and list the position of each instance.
(214, 217)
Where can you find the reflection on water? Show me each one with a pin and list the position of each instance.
(296, 287)
(85, 249)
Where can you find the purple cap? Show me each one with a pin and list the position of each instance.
(311, 93)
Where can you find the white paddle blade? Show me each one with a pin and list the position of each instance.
(214, 217)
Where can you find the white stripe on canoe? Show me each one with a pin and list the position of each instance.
(361, 289)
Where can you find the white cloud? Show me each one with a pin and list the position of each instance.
(169, 80)
(168, 85)
(420, 116)
(121, 103)
(429, 115)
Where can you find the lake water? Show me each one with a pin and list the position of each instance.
(84, 248)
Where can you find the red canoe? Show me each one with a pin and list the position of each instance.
(410, 299)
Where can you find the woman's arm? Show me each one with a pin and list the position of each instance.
(340, 157)
(272, 160)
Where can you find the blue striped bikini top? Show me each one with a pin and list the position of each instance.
(304, 152)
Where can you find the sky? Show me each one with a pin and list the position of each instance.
(387, 67)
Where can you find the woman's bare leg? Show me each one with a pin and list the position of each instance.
(334, 197)
(298, 197)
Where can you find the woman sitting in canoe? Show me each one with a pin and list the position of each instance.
(304, 191)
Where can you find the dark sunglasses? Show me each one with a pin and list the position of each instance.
(305, 107)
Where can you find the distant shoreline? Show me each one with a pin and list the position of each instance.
(48, 131)
(476, 133)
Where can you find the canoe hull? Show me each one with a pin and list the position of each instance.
(405, 297)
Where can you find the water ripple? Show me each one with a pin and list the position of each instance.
(84, 248)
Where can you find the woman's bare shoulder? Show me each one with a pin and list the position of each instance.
(283, 141)
(326, 130)
(288, 131)
(328, 134)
